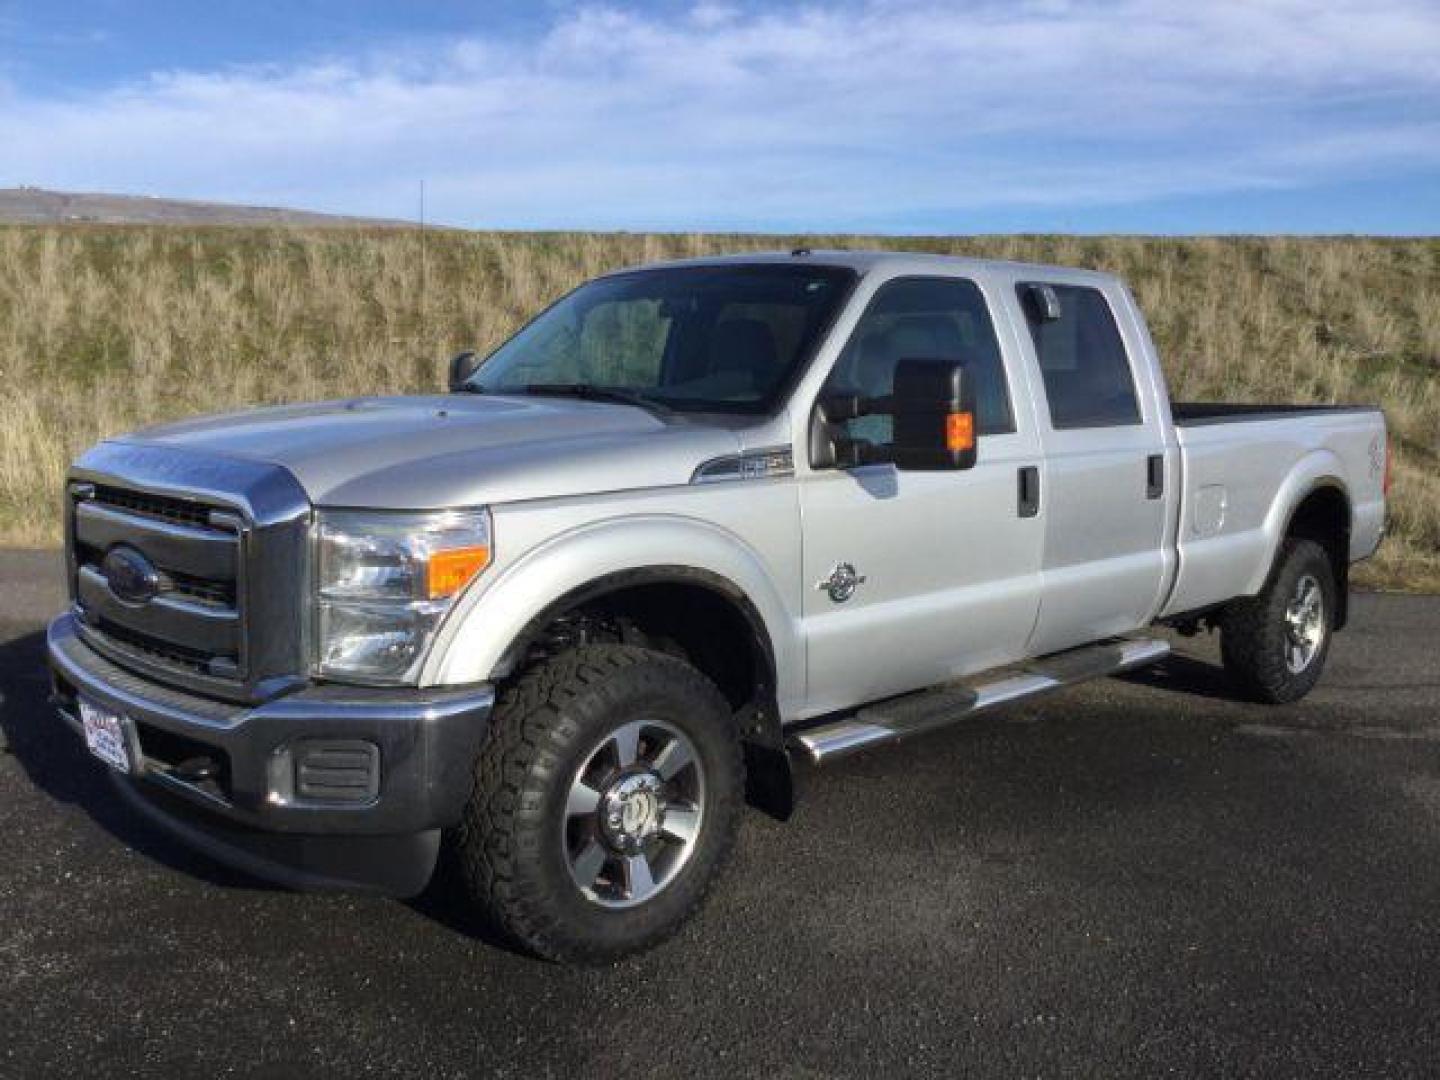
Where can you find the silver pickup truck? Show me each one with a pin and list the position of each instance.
(693, 525)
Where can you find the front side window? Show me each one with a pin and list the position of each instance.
(1082, 359)
(923, 319)
(707, 338)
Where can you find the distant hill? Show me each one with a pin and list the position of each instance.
(36, 206)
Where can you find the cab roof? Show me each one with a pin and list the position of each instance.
(885, 263)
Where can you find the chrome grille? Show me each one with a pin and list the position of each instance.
(196, 660)
(160, 507)
(225, 553)
(195, 622)
(221, 594)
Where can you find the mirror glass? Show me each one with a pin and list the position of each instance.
(462, 366)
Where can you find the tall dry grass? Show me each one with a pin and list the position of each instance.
(105, 329)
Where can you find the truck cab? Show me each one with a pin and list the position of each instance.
(693, 523)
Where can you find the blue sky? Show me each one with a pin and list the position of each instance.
(851, 115)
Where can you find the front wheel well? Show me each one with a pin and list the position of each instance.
(700, 618)
(697, 617)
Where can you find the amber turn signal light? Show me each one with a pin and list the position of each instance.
(450, 571)
(959, 431)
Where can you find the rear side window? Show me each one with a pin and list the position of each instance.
(1082, 359)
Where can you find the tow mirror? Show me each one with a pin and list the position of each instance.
(462, 367)
(933, 427)
(934, 410)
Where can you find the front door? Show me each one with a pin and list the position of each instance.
(912, 578)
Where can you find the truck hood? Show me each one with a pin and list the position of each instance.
(456, 449)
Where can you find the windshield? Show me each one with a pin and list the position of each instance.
(703, 338)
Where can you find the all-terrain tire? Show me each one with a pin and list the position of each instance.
(511, 846)
(1257, 634)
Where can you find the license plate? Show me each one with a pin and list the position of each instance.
(107, 734)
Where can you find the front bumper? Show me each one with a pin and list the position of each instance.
(253, 785)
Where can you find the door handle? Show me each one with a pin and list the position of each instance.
(1028, 491)
(1155, 476)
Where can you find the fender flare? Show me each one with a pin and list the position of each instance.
(492, 618)
(1317, 471)
(620, 580)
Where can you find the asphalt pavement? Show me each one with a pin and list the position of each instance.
(1142, 876)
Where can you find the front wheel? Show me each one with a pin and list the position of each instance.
(606, 799)
(1274, 645)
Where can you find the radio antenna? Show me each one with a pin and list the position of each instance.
(424, 307)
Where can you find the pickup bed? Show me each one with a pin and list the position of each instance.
(694, 524)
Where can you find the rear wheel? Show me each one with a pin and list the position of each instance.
(606, 799)
(1274, 645)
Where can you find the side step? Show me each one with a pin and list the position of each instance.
(926, 710)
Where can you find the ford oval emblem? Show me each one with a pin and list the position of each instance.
(131, 576)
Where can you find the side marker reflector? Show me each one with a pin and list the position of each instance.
(450, 571)
(959, 431)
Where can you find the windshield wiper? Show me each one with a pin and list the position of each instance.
(590, 392)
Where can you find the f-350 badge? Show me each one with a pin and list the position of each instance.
(842, 582)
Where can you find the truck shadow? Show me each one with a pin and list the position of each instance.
(56, 763)
(444, 903)
(1182, 674)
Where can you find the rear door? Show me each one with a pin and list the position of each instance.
(1103, 431)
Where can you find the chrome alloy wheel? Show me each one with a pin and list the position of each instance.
(633, 814)
(1304, 624)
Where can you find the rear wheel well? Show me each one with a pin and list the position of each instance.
(1324, 517)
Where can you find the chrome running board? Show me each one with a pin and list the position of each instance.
(926, 710)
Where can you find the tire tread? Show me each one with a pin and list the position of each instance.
(531, 730)
(1252, 629)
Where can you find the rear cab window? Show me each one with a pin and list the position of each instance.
(1081, 355)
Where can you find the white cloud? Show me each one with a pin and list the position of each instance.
(848, 115)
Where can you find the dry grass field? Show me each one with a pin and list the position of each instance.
(106, 328)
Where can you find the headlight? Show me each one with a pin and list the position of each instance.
(384, 580)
